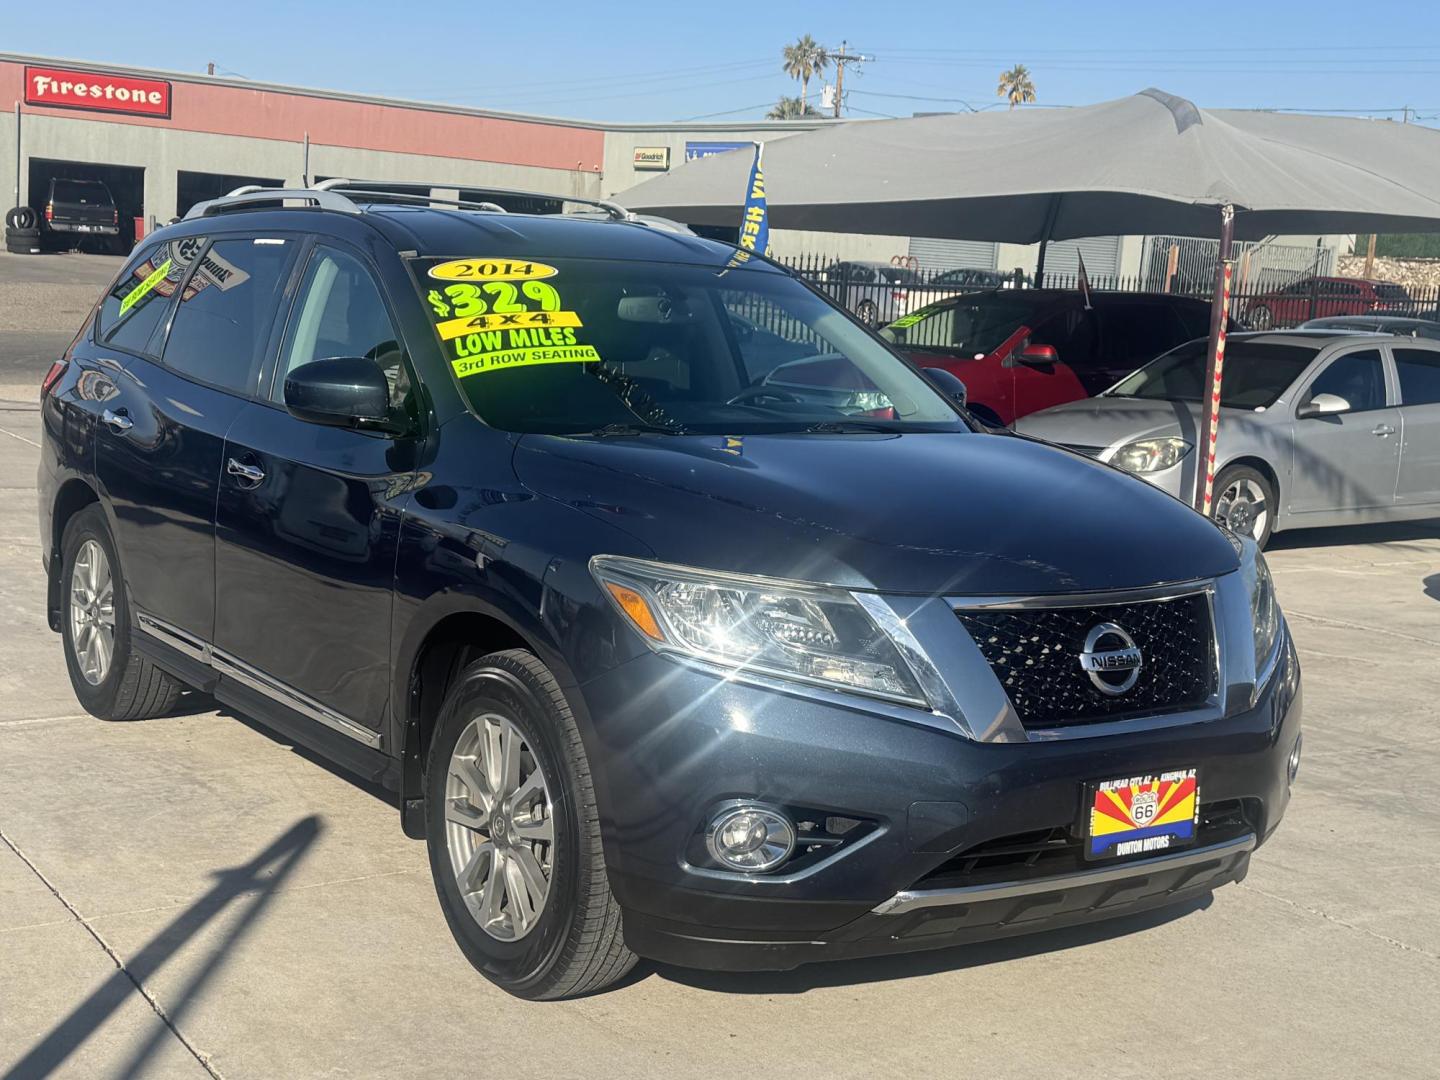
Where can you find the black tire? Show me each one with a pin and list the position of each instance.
(22, 234)
(868, 313)
(1223, 513)
(1260, 317)
(134, 688)
(21, 217)
(577, 945)
(15, 248)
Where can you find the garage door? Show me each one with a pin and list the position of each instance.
(1102, 257)
(951, 254)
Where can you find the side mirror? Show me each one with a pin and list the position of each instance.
(948, 384)
(1323, 405)
(341, 391)
(1038, 354)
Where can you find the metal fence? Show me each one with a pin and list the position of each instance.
(1274, 286)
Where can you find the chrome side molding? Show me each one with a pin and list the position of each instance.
(233, 667)
(916, 899)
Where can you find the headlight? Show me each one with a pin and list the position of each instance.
(790, 629)
(1264, 608)
(1150, 455)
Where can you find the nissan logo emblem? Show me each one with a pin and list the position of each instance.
(1111, 659)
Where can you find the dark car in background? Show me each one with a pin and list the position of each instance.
(876, 292)
(506, 513)
(1019, 351)
(76, 209)
(1400, 325)
(1321, 297)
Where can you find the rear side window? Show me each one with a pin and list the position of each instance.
(1358, 377)
(222, 324)
(136, 304)
(1419, 371)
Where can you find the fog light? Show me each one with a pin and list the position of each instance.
(1293, 765)
(750, 838)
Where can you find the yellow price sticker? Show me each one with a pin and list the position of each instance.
(506, 359)
(492, 270)
(454, 328)
(135, 295)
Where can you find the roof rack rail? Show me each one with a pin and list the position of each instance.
(251, 194)
(387, 188)
(364, 192)
(342, 195)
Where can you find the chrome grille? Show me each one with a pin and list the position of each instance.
(1035, 653)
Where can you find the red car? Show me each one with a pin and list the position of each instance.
(1022, 350)
(1328, 296)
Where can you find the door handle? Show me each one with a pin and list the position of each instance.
(251, 474)
(1382, 430)
(117, 422)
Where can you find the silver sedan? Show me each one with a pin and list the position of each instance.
(1317, 428)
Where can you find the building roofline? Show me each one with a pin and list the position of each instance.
(410, 103)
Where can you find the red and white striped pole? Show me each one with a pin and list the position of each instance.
(1215, 366)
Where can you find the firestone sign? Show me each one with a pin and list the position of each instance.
(62, 89)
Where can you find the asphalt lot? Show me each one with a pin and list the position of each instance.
(190, 896)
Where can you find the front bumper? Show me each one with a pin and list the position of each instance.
(674, 741)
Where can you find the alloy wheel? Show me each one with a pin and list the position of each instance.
(499, 827)
(92, 612)
(1242, 508)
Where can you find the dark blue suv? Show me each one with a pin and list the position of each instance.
(671, 640)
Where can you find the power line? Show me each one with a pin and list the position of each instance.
(732, 112)
(601, 80)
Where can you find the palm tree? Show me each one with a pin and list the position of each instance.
(792, 108)
(1015, 84)
(804, 60)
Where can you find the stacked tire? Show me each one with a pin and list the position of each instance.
(22, 231)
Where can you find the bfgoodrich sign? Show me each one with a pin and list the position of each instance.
(63, 89)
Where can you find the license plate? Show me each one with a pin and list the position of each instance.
(1141, 815)
(82, 228)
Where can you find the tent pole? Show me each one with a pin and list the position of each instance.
(1215, 364)
(1051, 213)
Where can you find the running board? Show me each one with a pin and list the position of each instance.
(232, 667)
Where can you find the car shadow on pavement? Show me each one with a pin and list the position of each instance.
(256, 881)
(912, 965)
(1341, 535)
(1432, 586)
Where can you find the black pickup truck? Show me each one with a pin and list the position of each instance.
(81, 208)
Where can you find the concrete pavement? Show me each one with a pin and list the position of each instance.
(191, 896)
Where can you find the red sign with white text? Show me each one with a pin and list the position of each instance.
(62, 89)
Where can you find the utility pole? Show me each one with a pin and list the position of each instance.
(842, 58)
(210, 68)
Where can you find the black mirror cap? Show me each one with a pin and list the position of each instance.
(949, 384)
(340, 391)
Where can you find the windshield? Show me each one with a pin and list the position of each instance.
(1256, 373)
(580, 345)
(970, 325)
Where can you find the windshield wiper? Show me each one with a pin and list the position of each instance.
(841, 427)
(623, 429)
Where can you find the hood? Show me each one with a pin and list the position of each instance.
(1100, 422)
(924, 513)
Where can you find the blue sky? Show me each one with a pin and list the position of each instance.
(678, 60)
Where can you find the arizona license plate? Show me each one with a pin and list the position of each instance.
(1141, 815)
